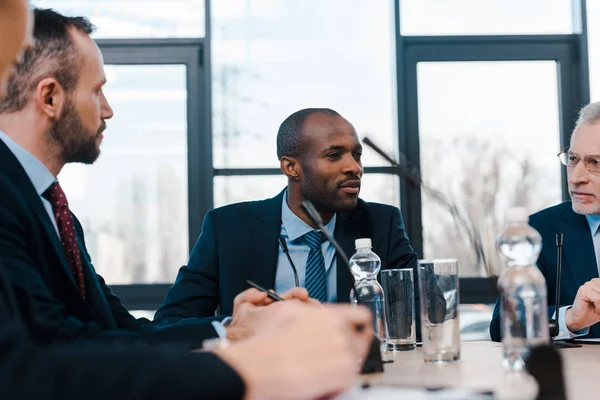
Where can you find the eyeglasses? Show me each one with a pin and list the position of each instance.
(570, 160)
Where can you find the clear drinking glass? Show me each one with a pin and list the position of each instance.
(440, 330)
(399, 308)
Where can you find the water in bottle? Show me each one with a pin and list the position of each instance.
(365, 266)
(523, 295)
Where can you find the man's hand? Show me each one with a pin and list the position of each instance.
(586, 308)
(249, 312)
(303, 352)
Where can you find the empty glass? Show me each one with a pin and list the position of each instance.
(438, 289)
(399, 308)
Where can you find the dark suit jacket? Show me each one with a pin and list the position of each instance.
(578, 263)
(239, 242)
(103, 371)
(44, 286)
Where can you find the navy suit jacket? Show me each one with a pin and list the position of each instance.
(239, 242)
(91, 370)
(578, 264)
(44, 287)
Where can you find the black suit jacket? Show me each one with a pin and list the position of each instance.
(578, 264)
(239, 242)
(90, 370)
(44, 286)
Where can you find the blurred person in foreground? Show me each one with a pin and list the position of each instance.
(301, 351)
(578, 220)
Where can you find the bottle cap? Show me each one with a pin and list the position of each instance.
(517, 214)
(363, 243)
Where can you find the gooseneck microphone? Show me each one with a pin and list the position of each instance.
(284, 248)
(553, 323)
(373, 363)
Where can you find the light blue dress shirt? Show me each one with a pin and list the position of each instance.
(564, 332)
(292, 230)
(38, 174)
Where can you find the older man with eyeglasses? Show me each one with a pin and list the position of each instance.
(579, 221)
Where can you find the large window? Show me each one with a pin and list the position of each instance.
(273, 57)
(485, 17)
(133, 202)
(489, 134)
(478, 95)
(136, 18)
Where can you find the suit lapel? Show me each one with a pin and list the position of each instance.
(346, 231)
(16, 173)
(578, 247)
(264, 245)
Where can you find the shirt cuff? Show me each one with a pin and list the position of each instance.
(220, 328)
(564, 332)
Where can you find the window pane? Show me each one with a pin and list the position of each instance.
(269, 62)
(135, 18)
(485, 17)
(234, 189)
(133, 202)
(489, 134)
(593, 26)
(380, 188)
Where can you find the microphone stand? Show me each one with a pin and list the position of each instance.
(553, 323)
(373, 362)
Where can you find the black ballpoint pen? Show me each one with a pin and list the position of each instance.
(272, 295)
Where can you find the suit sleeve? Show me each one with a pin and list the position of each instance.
(46, 317)
(91, 370)
(196, 289)
(401, 253)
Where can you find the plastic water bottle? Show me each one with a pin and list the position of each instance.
(365, 266)
(523, 295)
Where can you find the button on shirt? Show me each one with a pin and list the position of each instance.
(564, 332)
(38, 174)
(292, 230)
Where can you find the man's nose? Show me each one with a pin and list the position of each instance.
(578, 174)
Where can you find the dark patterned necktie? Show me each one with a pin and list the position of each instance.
(66, 230)
(316, 274)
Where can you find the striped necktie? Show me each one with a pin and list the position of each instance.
(316, 275)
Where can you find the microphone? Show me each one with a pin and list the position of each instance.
(373, 363)
(553, 323)
(284, 248)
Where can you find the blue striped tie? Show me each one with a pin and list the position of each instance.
(316, 275)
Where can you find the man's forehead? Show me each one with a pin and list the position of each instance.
(324, 125)
(586, 139)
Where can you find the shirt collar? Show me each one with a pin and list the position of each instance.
(297, 228)
(39, 175)
(594, 222)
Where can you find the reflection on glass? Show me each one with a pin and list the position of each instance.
(133, 201)
(489, 134)
(136, 18)
(380, 188)
(268, 62)
(485, 17)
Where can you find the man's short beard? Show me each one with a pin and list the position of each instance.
(75, 142)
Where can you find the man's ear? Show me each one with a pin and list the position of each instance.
(290, 166)
(50, 97)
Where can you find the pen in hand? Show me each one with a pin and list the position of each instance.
(272, 295)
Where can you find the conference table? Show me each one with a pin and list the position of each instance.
(480, 368)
